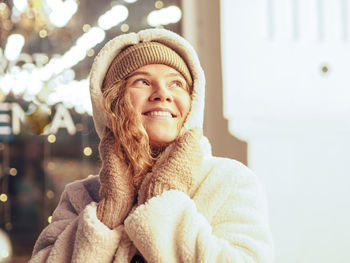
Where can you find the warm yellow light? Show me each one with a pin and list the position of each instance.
(87, 151)
(4, 11)
(49, 219)
(50, 194)
(159, 4)
(51, 138)
(13, 171)
(2, 6)
(86, 28)
(43, 33)
(124, 28)
(3, 198)
(90, 175)
(90, 52)
(44, 61)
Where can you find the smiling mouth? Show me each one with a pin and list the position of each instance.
(160, 114)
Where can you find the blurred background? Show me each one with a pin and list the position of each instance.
(277, 99)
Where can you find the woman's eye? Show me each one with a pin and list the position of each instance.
(142, 82)
(177, 84)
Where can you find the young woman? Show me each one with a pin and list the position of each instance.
(160, 195)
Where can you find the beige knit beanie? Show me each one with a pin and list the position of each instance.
(141, 54)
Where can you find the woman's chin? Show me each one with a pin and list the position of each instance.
(160, 144)
(160, 140)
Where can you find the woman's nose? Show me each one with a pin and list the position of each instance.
(161, 93)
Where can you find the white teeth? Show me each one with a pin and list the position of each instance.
(159, 113)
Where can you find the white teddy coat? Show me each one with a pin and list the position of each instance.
(223, 220)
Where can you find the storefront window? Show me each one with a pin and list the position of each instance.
(47, 136)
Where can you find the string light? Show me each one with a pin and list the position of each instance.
(87, 151)
(3, 198)
(90, 52)
(50, 194)
(13, 172)
(159, 4)
(43, 33)
(124, 28)
(14, 46)
(61, 11)
(49, 219)
(29, 83)
(3, 6)
(51, 138)
(73, 93)
(164, 16)
(44, 59)
(113, 17)
(74, 55)
(4, 11)
(86, 28)
(20, 5)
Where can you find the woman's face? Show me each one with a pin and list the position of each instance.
(161, 97)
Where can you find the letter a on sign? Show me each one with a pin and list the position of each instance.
(62, 119)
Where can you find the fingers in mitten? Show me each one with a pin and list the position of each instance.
(142, 193)
(157, 188)
(112, 212)
(189, 141)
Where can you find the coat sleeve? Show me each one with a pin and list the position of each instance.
(76, 234)
(169, 228)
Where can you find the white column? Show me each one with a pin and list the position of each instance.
(287, 93)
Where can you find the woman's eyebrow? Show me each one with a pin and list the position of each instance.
(139, 73)
(175, 74)
(145, 73)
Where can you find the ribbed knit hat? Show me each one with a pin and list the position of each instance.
(141, 54)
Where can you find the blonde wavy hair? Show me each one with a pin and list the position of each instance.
(132, 142)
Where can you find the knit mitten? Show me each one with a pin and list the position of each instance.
(117, 192)
(177, 168)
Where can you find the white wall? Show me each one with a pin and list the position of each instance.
(295, 116)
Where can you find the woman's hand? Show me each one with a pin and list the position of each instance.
(177, 168)
(117, 191)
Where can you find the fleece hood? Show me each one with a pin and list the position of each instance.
(166, 37)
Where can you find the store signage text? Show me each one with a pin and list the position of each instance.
(12, 115)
